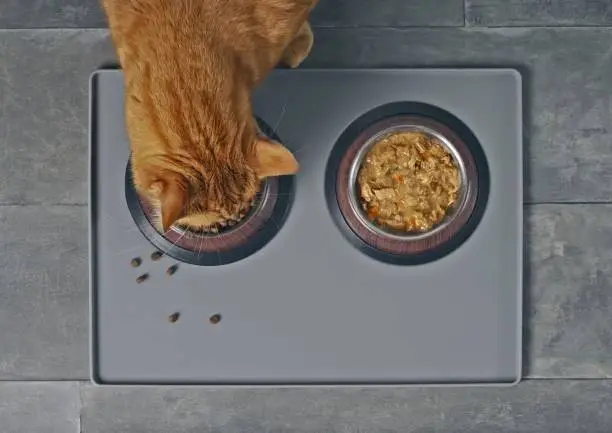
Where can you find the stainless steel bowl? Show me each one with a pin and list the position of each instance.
(354, 199)
(395, 246)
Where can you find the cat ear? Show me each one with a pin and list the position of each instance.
(172, 199)
(273, 159)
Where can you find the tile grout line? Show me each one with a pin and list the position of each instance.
(79, 390)
(40, 204)
(81, 383)
(465, 26)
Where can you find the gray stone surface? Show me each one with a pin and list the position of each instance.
(396, 13)
(50, 13)
(44, 160)
(539, 12)
(531, 407)
(568, 121)
(39, 407)
(568, 93)
(88, 14)
(44, 111)
(43, 293)
(569, 296)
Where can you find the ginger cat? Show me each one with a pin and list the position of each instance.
(190, 67)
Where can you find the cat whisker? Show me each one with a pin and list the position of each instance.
(239, 232)
(280, 118)
(218, 255)
(275, 222)
(164, 234)
(203, 241)
(282, 194)
(298, 150)
(178, 240)
(200, 248)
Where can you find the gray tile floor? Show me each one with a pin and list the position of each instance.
(564, 48)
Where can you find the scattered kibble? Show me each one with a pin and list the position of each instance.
(157, 255)
(136, 261)
(171, 270)
(173, 318)
(215, 318)
(142, 278)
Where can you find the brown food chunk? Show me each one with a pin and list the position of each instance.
(136, 261)
(408, 182)
(142, 278)
(215, 319)
(173, 318)
(156, 255)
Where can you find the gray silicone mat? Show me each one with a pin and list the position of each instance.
(309, 308)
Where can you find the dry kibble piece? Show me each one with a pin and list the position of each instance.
(142, 278)
(173, 318)
(157, 255)
(215, 318)
(171, 270)
(136, 261)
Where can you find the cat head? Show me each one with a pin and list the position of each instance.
(198, 189)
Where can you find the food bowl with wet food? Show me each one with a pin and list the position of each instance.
(407, 187)
(226, 241)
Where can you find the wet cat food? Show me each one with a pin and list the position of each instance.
(407, 182)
